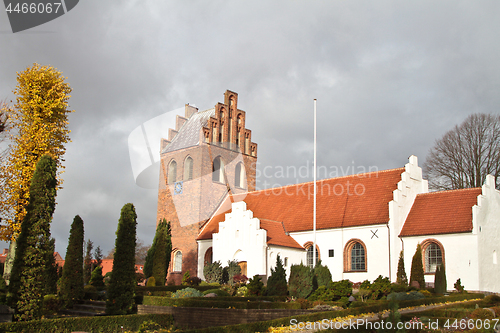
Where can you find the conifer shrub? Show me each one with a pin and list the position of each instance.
(458, 286)
(71, 289)
(161, 255)
(121, 289)
(440, 280)
(417, 268)
(97, 279)
(300, 283)
(276, 283)
(255, 286)
(380, 287)
(232, 269)
(187, 292)
(213, 272)
(322, 274)
(401, 278)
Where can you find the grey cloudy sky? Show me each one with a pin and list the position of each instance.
(390, 77)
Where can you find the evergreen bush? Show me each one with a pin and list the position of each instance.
(440, 280)
(232, 269)
(401, 279)
(72, 279)
(29, 272)
(187, 292)
(163, 248)
(213, 272)
(122, 282)
(255, 286)
(380, 287)
(300, 283)
(458, 286)
(322, 274)
(218, 292)
(417, 268)
(276, 283)
(97, 279)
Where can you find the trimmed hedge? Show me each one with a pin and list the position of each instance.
(218, 302)
(98, 324)
(142, 290)
(318, 316)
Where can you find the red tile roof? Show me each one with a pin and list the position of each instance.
(444, 212)
(276, 234)
(348, 201)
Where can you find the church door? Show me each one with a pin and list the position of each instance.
(243, 266)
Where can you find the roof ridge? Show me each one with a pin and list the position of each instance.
(326, 179)
(452, 191)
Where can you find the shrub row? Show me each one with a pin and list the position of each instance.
(218, 302)
(318, 316)
(141, 290)
(98, 324)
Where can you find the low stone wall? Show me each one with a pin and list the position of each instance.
(210, 317)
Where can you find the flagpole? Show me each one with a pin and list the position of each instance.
(314, 205)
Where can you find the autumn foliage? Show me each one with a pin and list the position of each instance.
(39, 119)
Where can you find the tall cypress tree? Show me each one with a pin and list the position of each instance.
(72, 278)
(401, 277)
(148, 265)
(122, 282)
(87, 262)
(417, 268)
(51, 269)
(161, 258)
(28, 272)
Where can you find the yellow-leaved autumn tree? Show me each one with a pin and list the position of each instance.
(39, 120)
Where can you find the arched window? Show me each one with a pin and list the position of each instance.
(188, 168)
(218, 170)
(239, 175)
(355, 256)
(310, 254)
(172, 172)
(433, 255)
(178, 261)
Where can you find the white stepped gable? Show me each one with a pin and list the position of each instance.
(241, 238)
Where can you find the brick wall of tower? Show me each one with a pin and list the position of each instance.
(187, 211)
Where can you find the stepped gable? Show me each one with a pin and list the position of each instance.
(444, 212)
(349, 201)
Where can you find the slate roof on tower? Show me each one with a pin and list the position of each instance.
(189, 133)
(349, 201)
(445, 212)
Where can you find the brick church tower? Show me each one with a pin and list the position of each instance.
(207, 156)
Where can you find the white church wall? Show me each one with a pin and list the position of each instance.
(486, 216)
(410, 185)
(377, 250)
(203, 246)
(288, 255)
(240, 238)
(460, 258)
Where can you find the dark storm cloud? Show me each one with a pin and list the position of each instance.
(390, 78)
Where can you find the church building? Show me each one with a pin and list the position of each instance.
(364, 221)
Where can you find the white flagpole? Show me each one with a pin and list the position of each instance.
(314, 205)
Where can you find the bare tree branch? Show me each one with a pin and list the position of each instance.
(465, 155)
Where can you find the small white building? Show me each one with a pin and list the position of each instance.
(363, 222)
